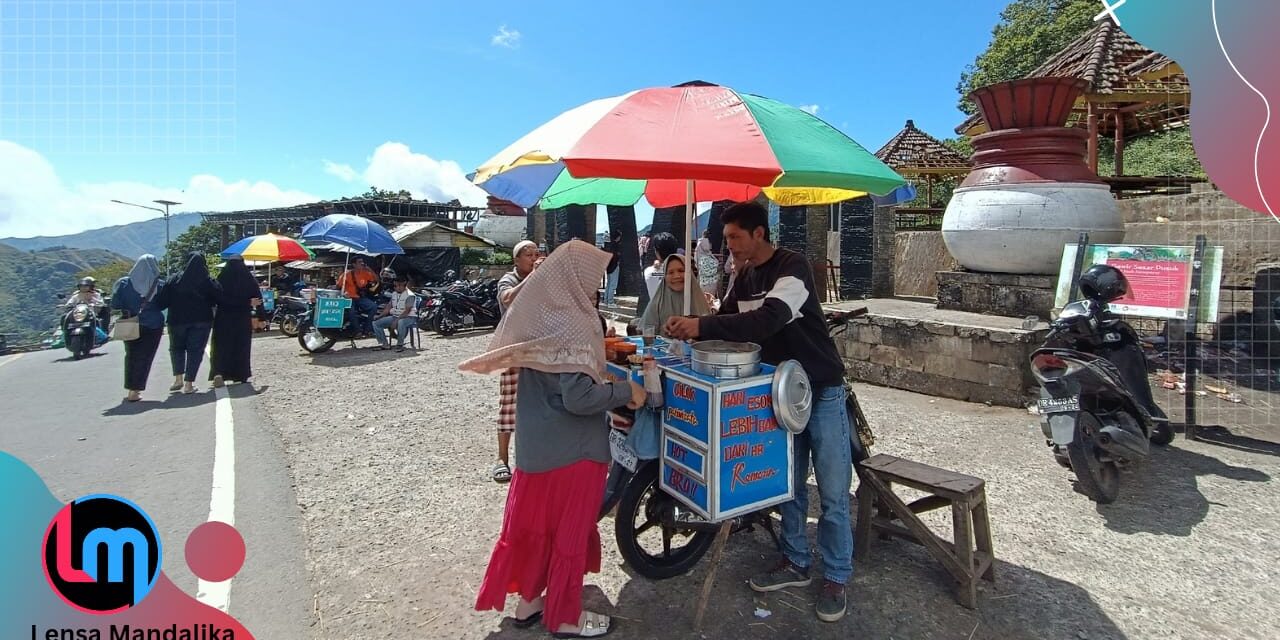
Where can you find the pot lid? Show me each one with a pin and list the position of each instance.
(792, 396)
(724, 346)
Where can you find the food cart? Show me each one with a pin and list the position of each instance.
(726, 447)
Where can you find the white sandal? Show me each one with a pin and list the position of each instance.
(594, 625)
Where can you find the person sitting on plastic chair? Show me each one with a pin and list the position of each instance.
(398, 315)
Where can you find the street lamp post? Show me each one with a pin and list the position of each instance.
(165, 211)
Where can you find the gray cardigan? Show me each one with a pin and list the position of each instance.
(560, 419)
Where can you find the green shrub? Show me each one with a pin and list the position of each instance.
(482, 257)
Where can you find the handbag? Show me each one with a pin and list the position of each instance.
(126, 329)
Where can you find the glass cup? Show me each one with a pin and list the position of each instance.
(647, 333)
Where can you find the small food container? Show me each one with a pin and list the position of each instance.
(623, 351)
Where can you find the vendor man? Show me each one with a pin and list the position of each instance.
(773, 303)
(358, 283)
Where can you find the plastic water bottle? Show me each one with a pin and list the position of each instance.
(652, 382)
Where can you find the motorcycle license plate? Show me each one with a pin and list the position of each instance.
(1060, 405)
(622, 454)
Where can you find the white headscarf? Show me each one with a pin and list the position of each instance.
(144, 275)
(553, 325)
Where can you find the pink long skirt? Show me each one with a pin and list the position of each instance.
(549, 541)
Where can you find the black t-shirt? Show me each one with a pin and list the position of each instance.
(773, 304)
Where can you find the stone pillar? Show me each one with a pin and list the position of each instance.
(538, 226)
(817, 224)
(884, 252)
(630, 279)
(589, 222)
(792, 231)
(223, 235)
(857, 248)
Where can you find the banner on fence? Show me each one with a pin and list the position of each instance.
(1159, 278)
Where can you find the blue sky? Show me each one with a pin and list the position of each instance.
(295, 100)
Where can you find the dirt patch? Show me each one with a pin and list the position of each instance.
(390, 456)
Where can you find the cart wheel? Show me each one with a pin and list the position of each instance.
(310, 338)
(656, 551)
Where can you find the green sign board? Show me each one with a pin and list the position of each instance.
(330, 311)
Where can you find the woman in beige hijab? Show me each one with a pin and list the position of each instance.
(551, 334)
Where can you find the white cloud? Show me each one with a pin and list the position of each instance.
(811, 108)
(394, 166)
(35, 201)
(509, 38)
(344, 172)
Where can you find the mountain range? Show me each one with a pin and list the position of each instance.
(32, 281)
(130, 240)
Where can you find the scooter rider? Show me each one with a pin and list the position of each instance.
(772, 302)
(87, 293)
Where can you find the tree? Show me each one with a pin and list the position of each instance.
(374, 193)
(1028, 34)
(107, 274)
(205, 238)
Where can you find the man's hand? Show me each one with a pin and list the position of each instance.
(681, 328)
(638, 396)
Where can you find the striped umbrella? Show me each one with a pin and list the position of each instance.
(651, 142)
(268, 247)
(696, 140)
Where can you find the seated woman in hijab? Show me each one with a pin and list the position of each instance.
(551, 334)
(668, 299)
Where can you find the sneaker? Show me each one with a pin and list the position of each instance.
(831, 602)
(783, 575)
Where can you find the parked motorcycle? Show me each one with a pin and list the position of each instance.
(289, 313)
(80, 327)
(468, 307)
(659, 537)
(1096, 408)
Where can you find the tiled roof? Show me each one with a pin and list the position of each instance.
(914, 151)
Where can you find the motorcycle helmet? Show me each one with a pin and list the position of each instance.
(1103, 283)
(88, 281)
(388, 274)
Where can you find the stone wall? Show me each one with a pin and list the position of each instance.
(918, 255)
(974, 364)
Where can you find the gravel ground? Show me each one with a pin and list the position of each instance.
(390, 455)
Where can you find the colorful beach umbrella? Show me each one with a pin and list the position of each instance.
(268, 247)
(651, 142)
(696, 134)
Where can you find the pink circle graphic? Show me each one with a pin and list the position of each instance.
(215, 551)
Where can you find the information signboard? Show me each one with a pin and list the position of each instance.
(1159, 278)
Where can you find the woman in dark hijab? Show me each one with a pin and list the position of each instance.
(190, 299)
(232, 324)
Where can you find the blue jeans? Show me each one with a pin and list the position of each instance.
(611, 286)
(399, 325)
(186, 347)
(826, 439)
(365, 310)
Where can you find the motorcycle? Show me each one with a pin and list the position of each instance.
(289, 313)
(468, 307)
(80, 330)
(1096, 408)
(659, 537)
(315, 339)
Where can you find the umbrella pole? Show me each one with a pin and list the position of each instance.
(688, 245)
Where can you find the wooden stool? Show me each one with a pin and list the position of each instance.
(878, 507)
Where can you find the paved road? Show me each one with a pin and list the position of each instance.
(67, 420)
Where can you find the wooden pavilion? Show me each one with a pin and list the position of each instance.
(387, 212)
(920, 157)
(1132, 90)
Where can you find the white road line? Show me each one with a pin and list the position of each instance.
(8, 360)
(222, 502)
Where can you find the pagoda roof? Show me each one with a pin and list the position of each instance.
(913, 151)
